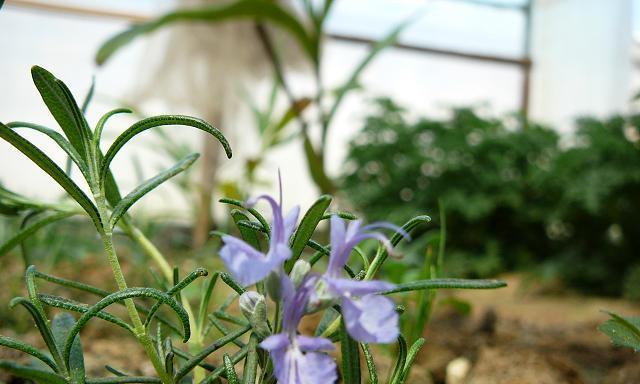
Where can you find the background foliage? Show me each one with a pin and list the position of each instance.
(516, 195)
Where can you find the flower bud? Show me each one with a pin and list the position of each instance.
(321, 299)
(299, 271)
(273, 284)
(254, 308)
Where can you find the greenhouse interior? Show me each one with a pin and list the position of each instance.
(320, 191)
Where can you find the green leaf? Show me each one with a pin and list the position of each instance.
(62, 325)
(253, 211)
(247, 235)
(352, 82)
(204, 299)
(315, 164)
(98, 292)
(64, 109)
(26, 232)
(175, 290)
(623, 331)
(89, 96)
(400, 361)
(241, 9)
(37, 375)
(329, 316)
(28, 349)
(124, 379)
(59, 139)
(128, 293)
(158, 121)
(233, 284)
(209, 349)
(306, 229)
(47, 165)
(43, 327)
(232, 377)
(382, 253)
(141, 190)
(221, 370)
(350, 357)
(446, 284)
(250, 370)
(411, 356)
(75, 306)
(97, 135)
(371, 364)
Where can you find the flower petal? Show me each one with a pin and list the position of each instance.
(246, 264)
(308, 344)
(371, 319)
(290, 221)
(348, 287)
(276, 342)
(316, 368)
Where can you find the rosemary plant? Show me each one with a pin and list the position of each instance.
(274, 278)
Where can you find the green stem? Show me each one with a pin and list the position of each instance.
(196, 342)
(139, 328)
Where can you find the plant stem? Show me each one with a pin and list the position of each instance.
(196, 341)
(140, 331)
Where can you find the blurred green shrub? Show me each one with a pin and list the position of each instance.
(515, 196)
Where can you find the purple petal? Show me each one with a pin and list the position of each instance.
(371, 319)
(387, 225)
(309, 344)
(290, 222)
(246, 264)
(317, 368)
(276, 342)
(348, 287)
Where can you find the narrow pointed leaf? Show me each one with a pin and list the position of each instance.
(382, 253)
(81, 308)
(28, 349)
(232, 376)
(61, 326)
(350, 357)
(411, 357)
(209, 349)
(446, 284)
(89, 97)
(159, 121)
(148, 186)
(306, 229)
(37, 375)
(64, 109)
(250, 370)
(97, 135)
(26, 232)
(371, 364)
(400, 361)
(175, 290)
(128, 293)
(124, 380)
(59, 139)
(45, 331)
(47, 165)
(253, 211)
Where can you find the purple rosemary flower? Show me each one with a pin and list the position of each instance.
(248, 265)
(296, 358)
(369, 318)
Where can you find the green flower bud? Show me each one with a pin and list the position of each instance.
(322, 299)
(273, 286)
(299, 271)
(254, 308)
